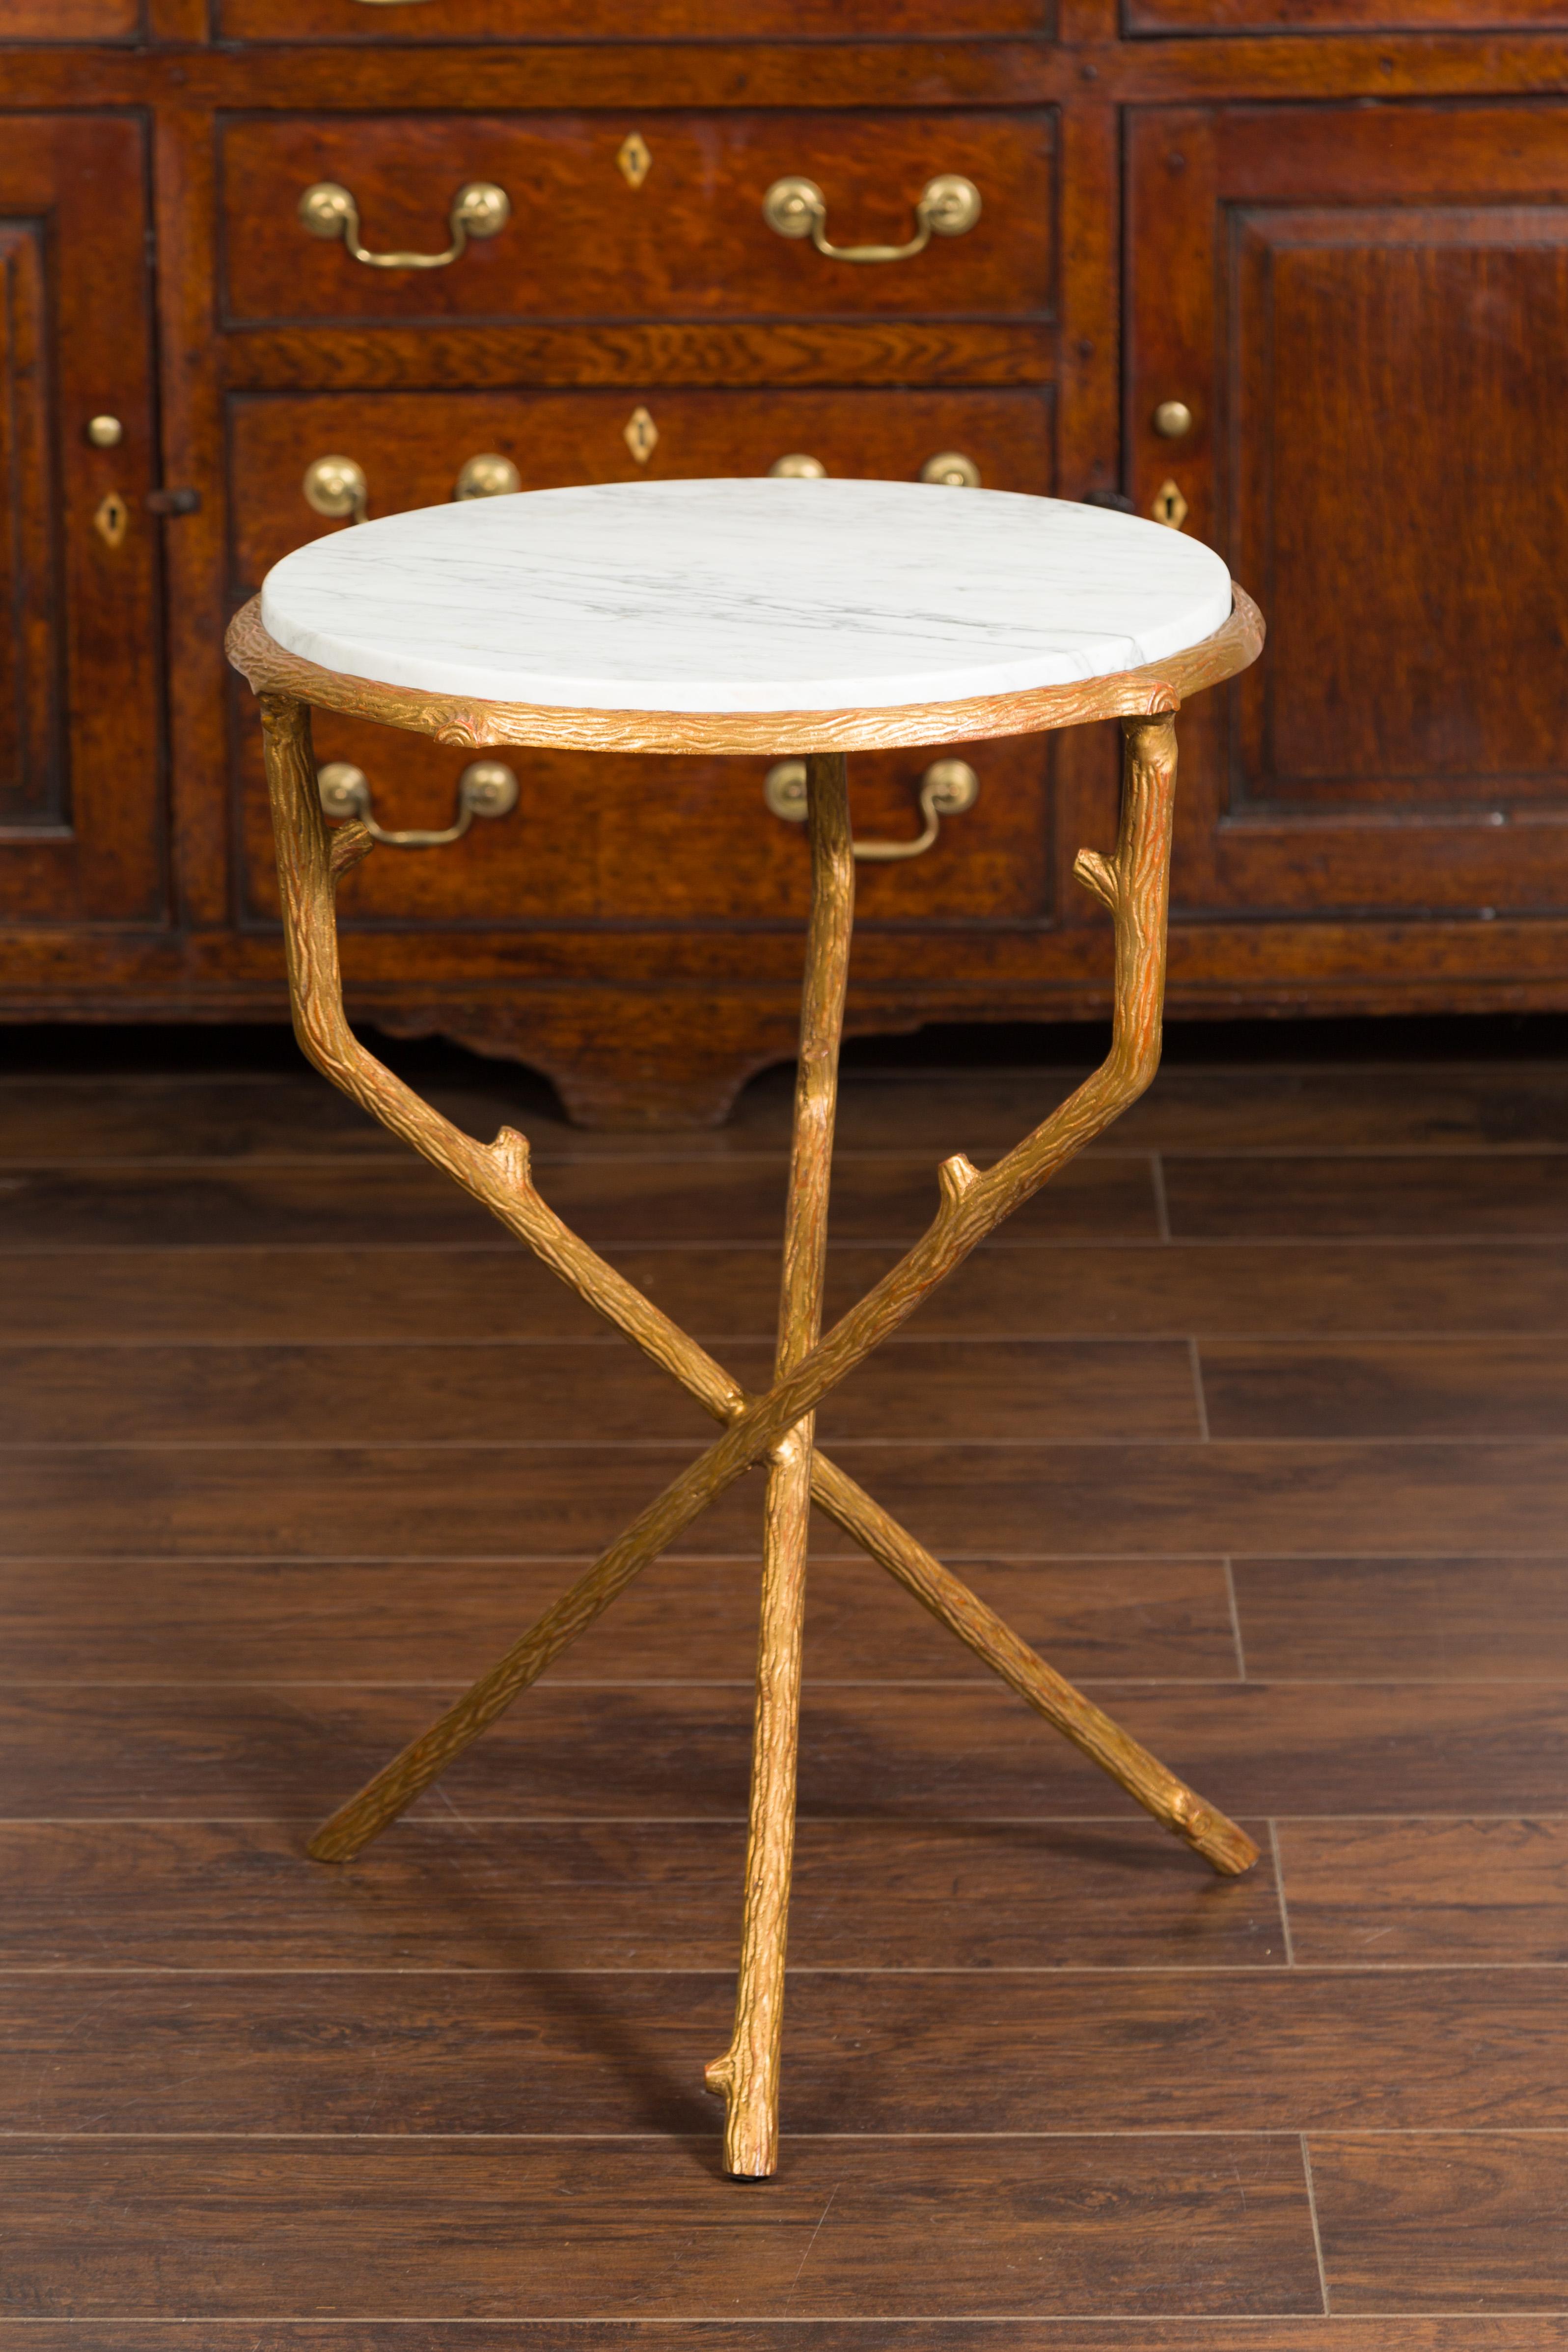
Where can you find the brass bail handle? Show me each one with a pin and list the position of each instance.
(947, 788)
(479, 209)
(485, 788)
(949, 205)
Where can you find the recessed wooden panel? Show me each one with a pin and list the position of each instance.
(690, 242)
(32, 621)
(1399, 459)
(645, 840)
(80, 749)
(1343, 15)
(1363, 308)
(387, 21)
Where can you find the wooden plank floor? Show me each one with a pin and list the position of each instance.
(1257, 1423)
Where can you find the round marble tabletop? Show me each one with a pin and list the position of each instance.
(750, 595)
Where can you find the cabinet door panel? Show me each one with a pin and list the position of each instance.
(1380, 449)
(689, 242)
(79, 750)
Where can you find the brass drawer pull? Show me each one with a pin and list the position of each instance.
(336, 486)
(798, 467)
(478, 210)
(947, 788)
(949, 205)
(485, 788)
(488, 476)
(952, 469)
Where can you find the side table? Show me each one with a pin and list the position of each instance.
(797, 617)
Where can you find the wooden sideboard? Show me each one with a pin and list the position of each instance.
(1333, 232)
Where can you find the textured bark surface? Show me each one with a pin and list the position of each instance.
(747, 2074)
(498, 1175)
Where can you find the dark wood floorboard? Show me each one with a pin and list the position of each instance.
(346, 1499)
(1461, 1388)
(1475, 1617)
(932, 1390)
(1398, 2333)
(1410, 1893)
(1454, 1107)
(191, 1750)
(1478, 2223)
(399, 1621)
(890, 2053)
(1513, 1195)
(628, 1894)
(294, 1442)
(644, 2229)
(492, 1290)
(612, 1202)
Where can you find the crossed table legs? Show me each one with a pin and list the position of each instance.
(778, 1428)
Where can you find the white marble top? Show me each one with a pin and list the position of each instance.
(750, 595)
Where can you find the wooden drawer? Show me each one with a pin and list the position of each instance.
(626, 20)
(412, 446)
(71, 20)
(627, 840)
(659, 844)
(584, 243)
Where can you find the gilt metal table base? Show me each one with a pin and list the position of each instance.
(776, 1428)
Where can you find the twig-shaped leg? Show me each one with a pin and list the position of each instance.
(498, 1176)
(747, 2074)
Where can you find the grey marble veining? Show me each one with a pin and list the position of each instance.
(744, 595)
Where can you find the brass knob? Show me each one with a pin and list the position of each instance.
(798, 468)
(1171, 419)
(105, 432)
(948, 205)
(485, 788)
(948, 787)
(953, 470)
(488, 476)
(336, 486)
(479, 209)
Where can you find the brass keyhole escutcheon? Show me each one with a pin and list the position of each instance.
(640, 435)
(111, 520)
(1169, 507)
(634, 160)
